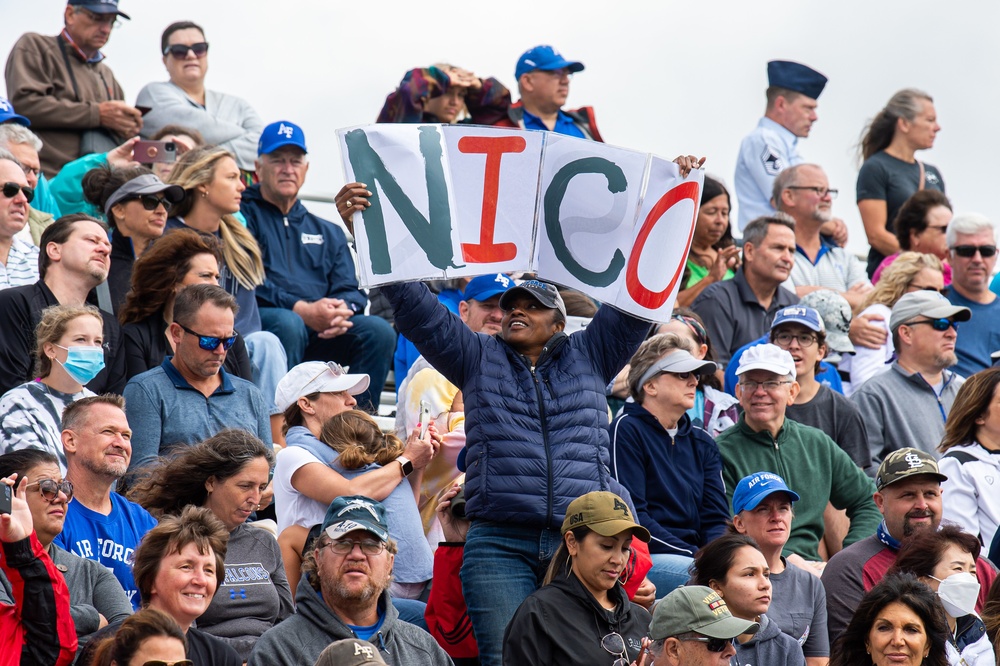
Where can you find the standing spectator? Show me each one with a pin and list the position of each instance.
(64, 87)
(445, 93)
(223, 120)
(23, 145)
(692, 626)
(921, 226)
(714, 256)
(31, 414)
(18, 257)
(672, 470)
(891, 173)
(972, 247)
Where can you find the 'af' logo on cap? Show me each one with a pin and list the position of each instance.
(502, 279)
(364, 649)
(285, 130)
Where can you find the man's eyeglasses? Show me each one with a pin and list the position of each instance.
(181, 50)
(770, 386)
(50, 489)
(557, 73)
(102, 19)
(615, 644)
(345, 546)
(151, 203)
(784, 339)
(821, 191)
(208, 342)
(10, 191)
(711, 644)
(942, 324)
(964, 251)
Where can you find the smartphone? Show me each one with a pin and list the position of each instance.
(5, 496)
(425, 417)
(148, 152)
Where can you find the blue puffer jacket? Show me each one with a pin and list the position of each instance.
(536, 437)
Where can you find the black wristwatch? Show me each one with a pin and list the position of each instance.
(406, 465)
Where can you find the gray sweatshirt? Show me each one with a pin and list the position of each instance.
(769, 647)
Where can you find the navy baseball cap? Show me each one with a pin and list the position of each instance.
(751, 490)
(485, 287)
(796, 77)
(280, 134)
(100, 7)
(543, 292)
(799, 314)
(544, 57)
(355, 512)
(7, 114)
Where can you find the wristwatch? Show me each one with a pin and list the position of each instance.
(406, 465)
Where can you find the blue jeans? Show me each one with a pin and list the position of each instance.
(267, 357)
(411, 611)
(669, 572)
(502, 565)
(366, 347)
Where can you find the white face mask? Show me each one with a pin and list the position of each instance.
(958, 593)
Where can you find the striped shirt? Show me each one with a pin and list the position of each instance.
(22, 265)
(31, 418)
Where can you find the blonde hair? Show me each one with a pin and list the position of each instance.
(240, 251)
(359, 441)
(55, 321)
(898, 276)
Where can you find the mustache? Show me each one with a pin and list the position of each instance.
(920, 514)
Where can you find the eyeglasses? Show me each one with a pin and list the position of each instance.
(942, 324)
(31, 171)
(151, 203)
(160, 662)
(10, 191)
(770, 386)
(964, 251)
(784, 339)
(208, 342)
(821, 191)
(615, 644)
(345, 546)
(556, 73)
(181, 50)
(50, 489)
(109, 19)
(711, 644)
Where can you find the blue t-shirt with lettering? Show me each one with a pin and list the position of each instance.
(110, 540)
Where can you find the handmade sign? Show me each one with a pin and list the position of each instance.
(458, 200)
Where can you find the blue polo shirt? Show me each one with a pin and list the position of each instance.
(977, 338)
(564, 125)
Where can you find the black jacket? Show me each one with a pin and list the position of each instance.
(120, 275)
(146, 347)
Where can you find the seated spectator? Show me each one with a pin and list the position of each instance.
(181, 258)
(671, 469)
(908, 404)
(581, 613)
(183, 138)
(945, 561)
(806, 458)
(310, 297)
(444, 93)
(38, 627)
(100, 524)
(228, 474)
(361, 447)
(734, 568)
(763, 508)
(898, 622)
(95, 596)
(920, 226)
(714, 255)
(31, 414)
(136, 205)
(971, 437)
(23, 146)
(223, 120)
(18, 257)
(911, 272)
(193, 382)
(149, 636)
(740, 310)
(74, 259)
(344, 593)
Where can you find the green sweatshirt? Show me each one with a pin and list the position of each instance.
(814, 467)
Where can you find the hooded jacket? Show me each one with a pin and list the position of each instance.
(970, 646)
(972, 489)
(562, 623)
(769, 647)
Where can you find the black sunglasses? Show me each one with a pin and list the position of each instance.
(711, 644)
(50, 489)
(942, 324)
(151, 203)
(10, 191)
(181, 50)
(209, 343)
(964, 251)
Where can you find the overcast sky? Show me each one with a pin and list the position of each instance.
(665, 77)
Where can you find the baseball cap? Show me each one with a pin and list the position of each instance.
(797, 314)
(146, 184)
(752, 489)
(927, 304)
(544, 57)
(679, 360)
(836, 314)
(349, 652)
(795, 76)
(100, 7)
(767, 357)
(280, 134)
(904, 463)
(7, 114)
(699, 609)
(604, 513)
(316, 377)
(355, 512)
(543, 292)
(485, 287)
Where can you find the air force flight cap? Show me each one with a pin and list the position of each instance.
(796, 77)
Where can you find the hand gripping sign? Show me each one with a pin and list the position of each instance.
(451, 200)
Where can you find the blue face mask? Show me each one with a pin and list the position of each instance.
(83, 363)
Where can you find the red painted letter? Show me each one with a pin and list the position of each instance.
(486, 251)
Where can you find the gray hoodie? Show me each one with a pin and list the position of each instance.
(769, 647)
(300, 638)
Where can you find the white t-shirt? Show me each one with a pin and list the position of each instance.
(291, 506)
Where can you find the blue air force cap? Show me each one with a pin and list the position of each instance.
(753, 489)
(485, 287)
(100, 7)
(544, 57)
(281, 134)
(796, 77)
(7, 114)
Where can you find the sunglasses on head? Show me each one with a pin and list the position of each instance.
(711, 644)
(151, 203)
(942, 324)
(208, 342)
(50, 488)
(965, 251)
(181, 50)
(10, 191)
